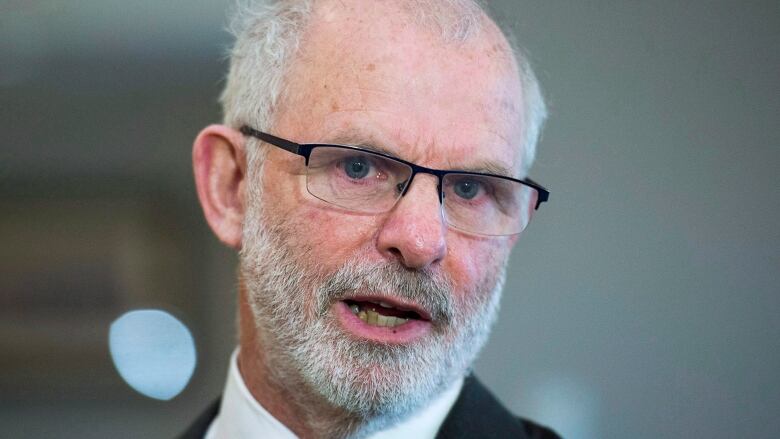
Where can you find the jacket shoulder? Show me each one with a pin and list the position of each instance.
(477, 413)
(536, 431)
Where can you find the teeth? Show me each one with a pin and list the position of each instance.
(390, 321)
(375, 319)
(372, 317)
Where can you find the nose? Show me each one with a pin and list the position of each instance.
(414, 231)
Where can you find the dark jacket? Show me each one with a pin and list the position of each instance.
(476, 414)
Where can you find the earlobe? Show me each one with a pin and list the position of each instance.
(219, 164)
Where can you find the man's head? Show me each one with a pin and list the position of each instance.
(434, 83)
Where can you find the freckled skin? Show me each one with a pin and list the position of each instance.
(439, 105)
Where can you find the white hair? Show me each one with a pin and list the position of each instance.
(267, 36)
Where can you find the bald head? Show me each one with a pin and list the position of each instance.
(272, 35)
(452, 20)
(358, 59)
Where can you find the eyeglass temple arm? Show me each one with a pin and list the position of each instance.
(273, 140)
(544, 194)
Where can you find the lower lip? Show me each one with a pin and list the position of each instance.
(410, 331)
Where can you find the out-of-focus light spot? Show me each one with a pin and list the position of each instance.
(565, 404)
(153, 351)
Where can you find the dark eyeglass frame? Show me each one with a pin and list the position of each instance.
(304, 150)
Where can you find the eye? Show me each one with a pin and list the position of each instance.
(356, 167)
(467, 189)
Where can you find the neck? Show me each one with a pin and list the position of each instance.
(282, 391)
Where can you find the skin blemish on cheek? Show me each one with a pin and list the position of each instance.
(371, 67)
(334, 106)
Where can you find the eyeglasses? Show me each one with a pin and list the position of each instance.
(370, 182)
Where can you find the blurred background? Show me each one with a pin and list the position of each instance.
(642, 302)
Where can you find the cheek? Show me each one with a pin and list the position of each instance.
(331, 236)
(471, 264)
(319, 234)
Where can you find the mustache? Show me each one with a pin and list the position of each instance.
(429, 290)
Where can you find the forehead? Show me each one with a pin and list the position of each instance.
(367, 72)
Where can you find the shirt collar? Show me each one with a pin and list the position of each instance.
(241, 416)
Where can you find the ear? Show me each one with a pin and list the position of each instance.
(219, 163)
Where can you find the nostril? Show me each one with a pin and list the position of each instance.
(396, 253)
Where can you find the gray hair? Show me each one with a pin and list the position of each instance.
(268, 34)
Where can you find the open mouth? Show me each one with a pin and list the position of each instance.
(381, 313)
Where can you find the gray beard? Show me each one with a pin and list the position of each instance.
(374, 384)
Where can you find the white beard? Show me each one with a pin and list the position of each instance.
(291, 304)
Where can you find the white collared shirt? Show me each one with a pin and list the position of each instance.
(241, 416)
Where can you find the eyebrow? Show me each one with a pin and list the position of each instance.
(353, 137)
(362, 140)
(489, 167)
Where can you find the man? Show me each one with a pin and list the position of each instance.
(370, 274)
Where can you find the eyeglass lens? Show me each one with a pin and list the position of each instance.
(365, 182)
